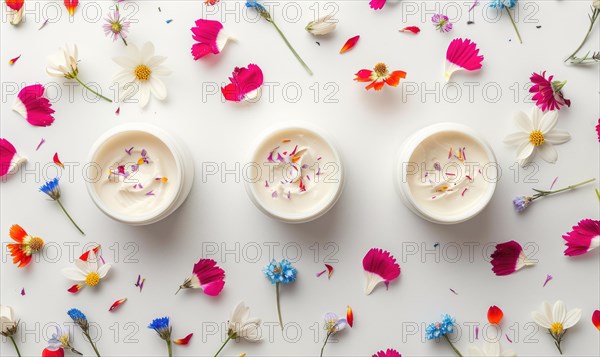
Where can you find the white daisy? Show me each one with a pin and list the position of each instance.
(87, 271)
(141, 69)
(63, 63)
(242, 325)
(556, 319)
(537, 135)
(490, 349)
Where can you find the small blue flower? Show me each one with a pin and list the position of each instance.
(439, 329)
(51, 188)
(521, 203)
(253, 4)
(501, 4)
(282, 272)
(162, 328)
(76, 315)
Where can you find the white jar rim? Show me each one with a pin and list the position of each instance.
(318, 211)
(167, 207)
(405, 153)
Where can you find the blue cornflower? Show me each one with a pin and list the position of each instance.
(439, 329)
(522, 202)
(77, 315)
(282, 272)
(162, 328)
(253, 4)
(52, 189)
(501, 4)
(81, 320)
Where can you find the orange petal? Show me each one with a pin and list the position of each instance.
(13, 60)
(17, 233)
(57, 160)
(350, 43)
(116, 304)
(394, 78)
(185, 340)
(495, 315)
(75, 288)
(349, 316)
(71, 5)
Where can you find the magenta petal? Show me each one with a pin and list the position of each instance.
(243, 81)
(377, 4)
(200, 50)
(210, 276)
(584, 237)
(464, 54)
(205, 33)
(31, 104)
(7, 153)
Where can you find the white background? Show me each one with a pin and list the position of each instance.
(368, 128)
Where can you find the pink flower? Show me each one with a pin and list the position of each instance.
(377, 4)
(388, 353)
(584, 237)
(210, 38)
(32, 106)
(441, 22)
(245, 84)
(380, 267)
(116, 26)
(547, 93)
(9, 159)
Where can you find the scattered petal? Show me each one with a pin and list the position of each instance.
(413, 29)
(350, 44)
(508, 258)
(475, 3)
(57, 160)
(508, 338)
(184, 341)
(40, 144)
(477, 332)
(116, 304)
(71, 5)
(245, 84)
(43, 24)
(168, 21)
(23, 292)
(495, 315)
(462, 55)
(75, 288)
(455, 293)
(584, 237)
(330, 270)
(321, 273)
(553, 183)
(14, 60)
(349, 316)
(596, 319)
(548, 278)
(33, 106)
(598, 129)
(10, 161)
(380, 267)
(118, 111)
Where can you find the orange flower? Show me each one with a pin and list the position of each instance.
(495, 315)
(26, 245)
(379, 76)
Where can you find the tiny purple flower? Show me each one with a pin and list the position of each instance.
(441, 22)
(521, 203)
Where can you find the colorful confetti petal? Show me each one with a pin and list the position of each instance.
(57, 160)
(495, 315)
(40, 144)
(14, 60)
(350, 44)
(548, 278)
(330, 270)
(75, 288)
(71, 5)
(412, 29)
(116, 304)
(350, 316)
(184, 341)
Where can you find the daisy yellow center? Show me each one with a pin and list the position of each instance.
(64, 340)
(380, 69)
(92, 279)
(536, 138)
(116, 27)
(142, 72)
(36, 244)
(556, 328)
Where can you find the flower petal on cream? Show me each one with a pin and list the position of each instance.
(516, 138)
(103, 270)
(525, 151)
(82, 266)
(144, 94)
(74, 274)
(547, 152)
(155, 61)
(158, 88)
(146, 52)
(536, 117)
(541, 319)
(572, 317)
(548, 121)
(524, 122)
(559, 311)
(557, 137)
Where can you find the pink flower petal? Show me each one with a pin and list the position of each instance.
(584, 237)
(32, 106)
(210, 276)
(380, 266)
(244, 81)
(206, 33)
(508, 258)
(413, 29)
(462, 54)
(377, 4)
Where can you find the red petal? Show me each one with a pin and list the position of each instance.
(116, 304)
(13, 60)
(57, 160)
(349, 44)
(413, 29)
(185, 340)
(349, 316)
(71, 5)
(495, 315)
(85, 255)
(596, 319)
(330, 270)
(15, 4)
(75, 288)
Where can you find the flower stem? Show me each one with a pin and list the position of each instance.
(124, 41)
(593, 19)
(452, 345)
(558, 346)
(91, 90)
(292, 48)
(169, 348)
(223, 346)
(278, 306)
(325, 343)
(541, 193)
(87, 335)
(514, 25)
(12, 339)
(68, 215)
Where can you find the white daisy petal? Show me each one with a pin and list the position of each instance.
(103, 270)
(124, 76)
(73, 274)
(82, 266)
(547, 152)
(559, 312)
(158, 88)
(492, 348)
(541, 319)
(147, 52)
(536, 117)
(557, 137)
(524, 122)
(516, 138)
(144, 94)
(125, 62)
(92, 261)
(155, 61)
(572, 318)
(548, 121)
(524, 151)
(161, 71)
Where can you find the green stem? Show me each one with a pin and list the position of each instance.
(169, 348)
(68, 215)
(292, 48)
(326, 339)
(12, 339)
(223, 346)
(514, 25)
(592, 22)
(452, 345)
(541, 193)
(87, 335)
(278, 306)
(124, 41)
(91, 90)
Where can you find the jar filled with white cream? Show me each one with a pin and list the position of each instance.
(139, 173)
(295, 173)
(446, 173)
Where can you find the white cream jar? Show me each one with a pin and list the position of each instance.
(295, 173)
(446, 173)
(139, 174)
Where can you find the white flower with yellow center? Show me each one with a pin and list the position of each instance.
(140, 74)
(537, 135)
(556, 319)
(87, 271)
(490, 349)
